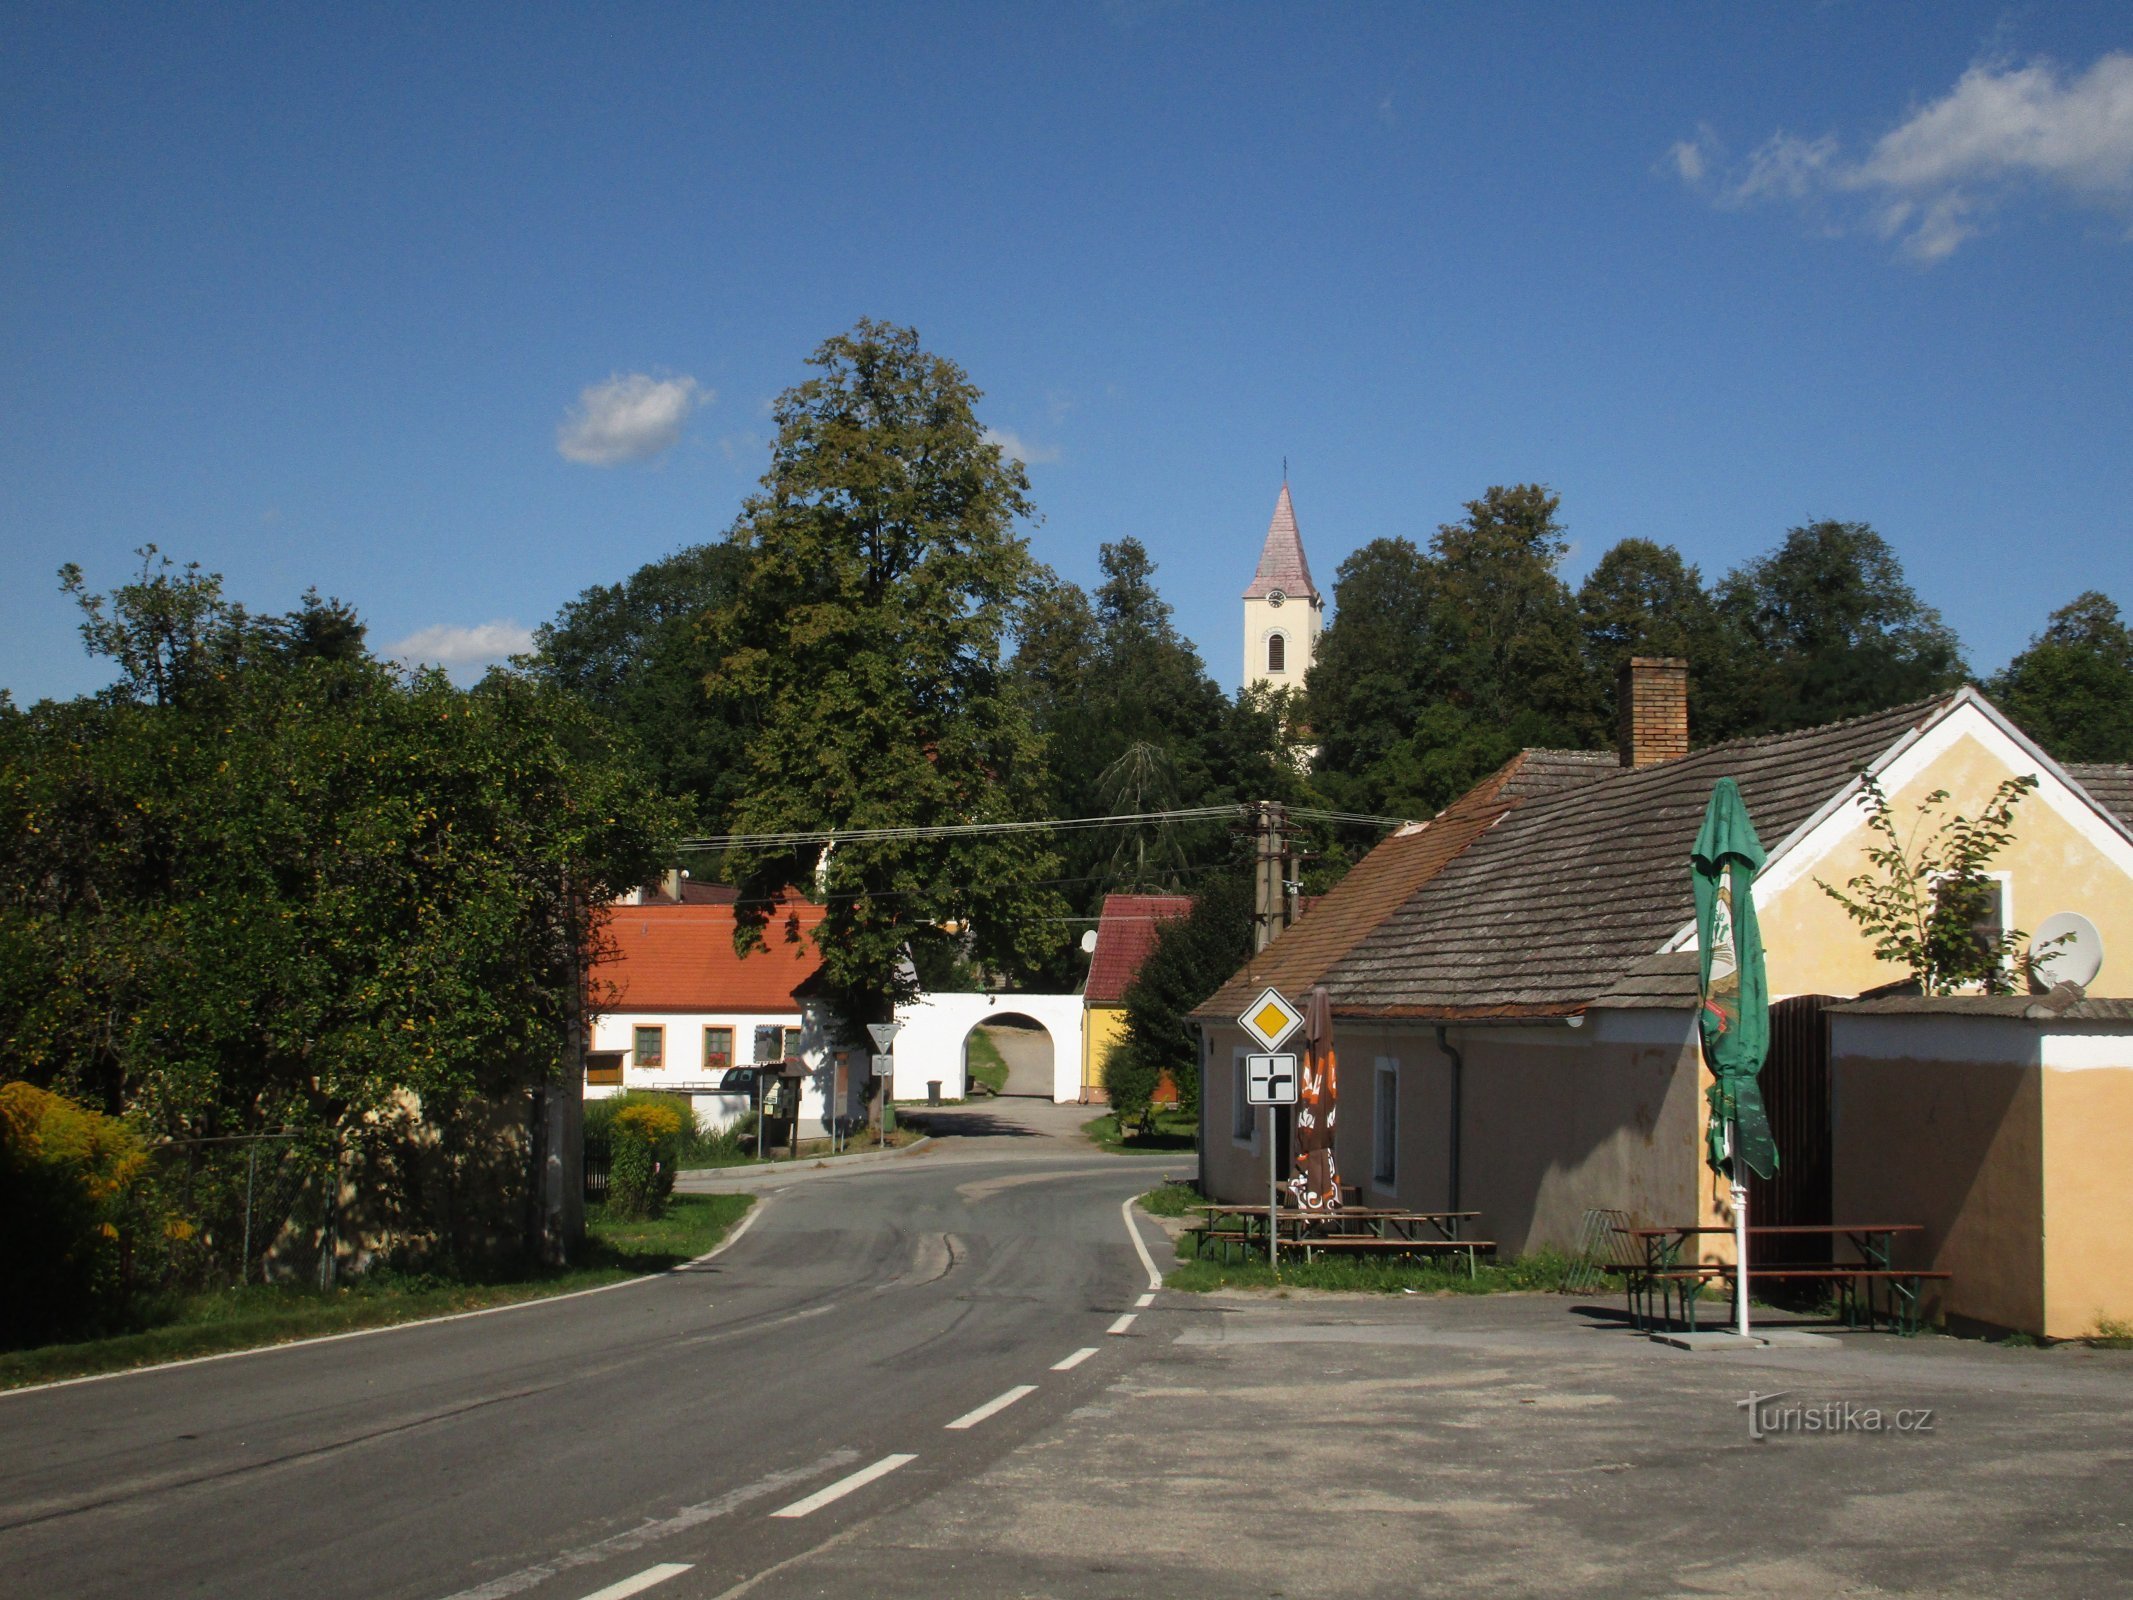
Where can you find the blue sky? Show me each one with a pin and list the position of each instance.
(455, 315)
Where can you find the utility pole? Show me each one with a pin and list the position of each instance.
(1273, 869)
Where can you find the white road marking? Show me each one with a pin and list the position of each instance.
(1155, 1278)
(1123, 1323)
(1145, 1301)
(1074, 1360)
(659, 1528)
(844, 1486)
(994, 1406)
(643, 1581)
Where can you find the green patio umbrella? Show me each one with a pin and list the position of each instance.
(1735, 1018)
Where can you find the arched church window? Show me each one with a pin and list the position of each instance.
(1277, 653)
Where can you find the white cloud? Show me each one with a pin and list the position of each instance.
(1015, 448)
(450, 645)
(631, 417)
(1936, 178)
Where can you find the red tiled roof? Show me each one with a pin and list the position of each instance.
(1125, 933)
(1281, 561)
(669, 957)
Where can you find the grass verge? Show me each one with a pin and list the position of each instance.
(268, 1314)
(1170, 1200)
(1380, 1275)
(983, 1063)
(1171, 1131)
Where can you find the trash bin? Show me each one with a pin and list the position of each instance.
(933, 1091)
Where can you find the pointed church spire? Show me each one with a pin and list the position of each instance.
(1281, 560)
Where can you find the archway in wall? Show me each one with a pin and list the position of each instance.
(1012, 1052)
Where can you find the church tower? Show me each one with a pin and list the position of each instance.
(1283, 610)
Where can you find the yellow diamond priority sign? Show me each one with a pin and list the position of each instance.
(1270, 1019)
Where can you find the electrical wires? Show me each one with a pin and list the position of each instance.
(967, 830)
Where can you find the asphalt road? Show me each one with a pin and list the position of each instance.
(685, 1435)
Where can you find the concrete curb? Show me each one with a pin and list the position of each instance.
(694, 1180)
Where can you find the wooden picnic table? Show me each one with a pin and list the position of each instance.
(1379, 1229)
(1662, 1269)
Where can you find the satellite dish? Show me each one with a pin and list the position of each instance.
(1088, 943)
(2077, 954)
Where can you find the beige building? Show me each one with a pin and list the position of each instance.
(1513, 984)
(1283, 610)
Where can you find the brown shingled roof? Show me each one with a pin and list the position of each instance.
(2109, 782)
(1384, 880)
(1564, 900)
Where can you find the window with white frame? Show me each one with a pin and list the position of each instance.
(1241, 1111)
(1385, 1124)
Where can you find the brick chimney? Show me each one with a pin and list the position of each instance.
(1652, 708)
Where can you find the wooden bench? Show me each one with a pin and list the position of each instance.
(1375, 1244)
(1904, 1286)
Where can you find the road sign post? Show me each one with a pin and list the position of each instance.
(1270, 1081)
(1270, 1019)
(884, 1036)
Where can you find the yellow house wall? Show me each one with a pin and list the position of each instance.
(1958, 1147)
(1813, 948)
(2088, 1195)
(1101, 1028)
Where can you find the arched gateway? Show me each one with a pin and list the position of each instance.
(935, 1026)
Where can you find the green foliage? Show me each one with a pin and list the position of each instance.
(2072, 689)
(634, 653)
(1831, 629)
(1192, 957)
(1129, 1078)
(265, 882)
(1928, 898)
(862, 648)
(1133, 723)
(1170, 1200)
(76, 1196)
(1166, 1130)
(1440, 666)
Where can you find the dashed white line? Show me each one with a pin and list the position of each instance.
(1155, 1278)
(994, 1406)
(1145, 1301)
(643, 1581)
(844, 1486)
(655, 1529)
(1074, 1360)
(1123, 1323)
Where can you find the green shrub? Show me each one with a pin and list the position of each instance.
(75, 1195)
(644, 1146)
(1130, 1078)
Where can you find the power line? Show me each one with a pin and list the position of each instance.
(763, 841)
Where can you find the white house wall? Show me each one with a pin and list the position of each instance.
(684, 1072)
(929, 1049)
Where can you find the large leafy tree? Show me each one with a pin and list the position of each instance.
(633, 652)
(862, 648)
(2072, 689)
(1439, 666)
(267, 882)
(1831, 629)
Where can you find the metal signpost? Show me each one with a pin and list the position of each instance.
(1270, 1081)
(884, 1036)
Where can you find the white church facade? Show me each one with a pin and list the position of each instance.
(1283, 610)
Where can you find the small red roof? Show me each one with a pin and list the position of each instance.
(1125, 933)
(669, 957)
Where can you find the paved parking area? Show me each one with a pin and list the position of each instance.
(1525, 1445)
